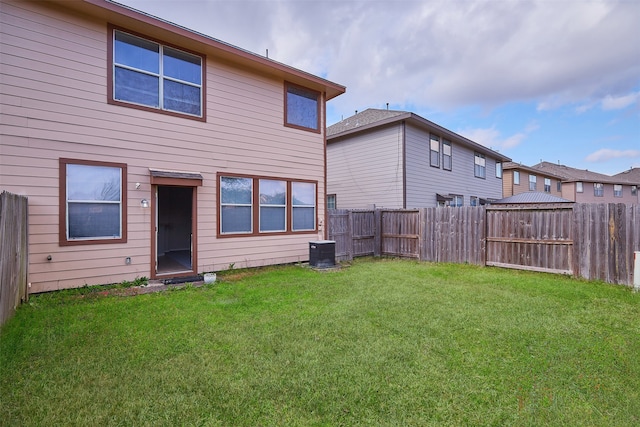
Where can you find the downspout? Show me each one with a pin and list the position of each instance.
(404, 165)
(324, 201)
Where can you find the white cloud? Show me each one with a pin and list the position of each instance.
(619, 102)
(607, 154)
(437, 54)
(492, 137)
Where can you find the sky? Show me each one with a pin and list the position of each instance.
(550, 80)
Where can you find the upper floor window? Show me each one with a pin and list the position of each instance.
(579, 187)
(516, 177)
(151, 75)
(532, 182)
(547, 185)
(302, 108)
(93, 206)
(559, 186)
(634, 190)
(617, 190)
(479, 169)
(434, 150)
(446, 155)
(498, 170)
(598, 189)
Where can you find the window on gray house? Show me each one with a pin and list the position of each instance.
(532, 182)
(456, 201)
(479, 170)
(331, 201)
(446, 155)
(434, 150)
(498, 170)
(547, 185)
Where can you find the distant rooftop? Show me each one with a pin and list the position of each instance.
(520, 166)
(572, 174)
(363, 118)
(632, 175)
(532, 197)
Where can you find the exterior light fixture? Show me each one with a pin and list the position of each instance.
(144, 203)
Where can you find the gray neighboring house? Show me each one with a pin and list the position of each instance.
(585, 186)
(399, 160)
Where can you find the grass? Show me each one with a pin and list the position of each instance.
(382, 342)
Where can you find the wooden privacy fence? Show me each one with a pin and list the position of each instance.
(538, 238)
(13, 253)
(593, 241)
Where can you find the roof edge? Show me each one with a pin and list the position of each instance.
(226, 50)
(422, 122)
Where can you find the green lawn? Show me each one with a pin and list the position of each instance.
(378, 343)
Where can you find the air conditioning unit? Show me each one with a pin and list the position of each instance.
(322, 254)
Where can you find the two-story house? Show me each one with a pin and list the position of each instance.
(632, 175)
(149, 150)
(397, 159)
(584, 186)
(518, 178)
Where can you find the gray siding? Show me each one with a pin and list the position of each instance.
(366, 169)
(424, 181)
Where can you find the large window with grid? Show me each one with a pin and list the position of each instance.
(251, 205)
(154, 76)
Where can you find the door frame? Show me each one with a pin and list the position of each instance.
(193, 181)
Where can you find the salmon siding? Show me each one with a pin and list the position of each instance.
(117, 127)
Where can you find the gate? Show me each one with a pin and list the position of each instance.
(537, 238)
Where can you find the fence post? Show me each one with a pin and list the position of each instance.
(377, 229)
(422, 235)
(13, 253)
(350, 235)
